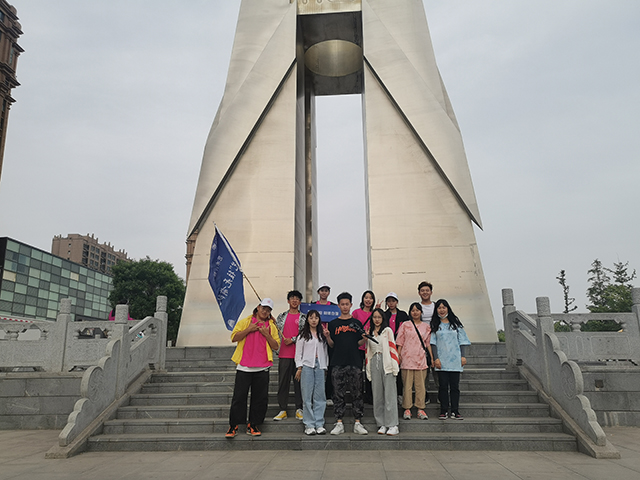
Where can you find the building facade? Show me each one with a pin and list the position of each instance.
(33, 281)
(88, 251)
(10, 31)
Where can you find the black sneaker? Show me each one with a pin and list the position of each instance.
(443, 416)
(231, 432)
(253, 430)
(457, 416)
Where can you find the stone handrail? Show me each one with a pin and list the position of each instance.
(532, 343)
(58, 346)
(623, 345)
(128, 355)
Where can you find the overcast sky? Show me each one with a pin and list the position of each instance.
(117, 98)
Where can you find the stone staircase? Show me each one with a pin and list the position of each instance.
(187, 408)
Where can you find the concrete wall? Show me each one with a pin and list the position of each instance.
(37, 400)
(614, 393)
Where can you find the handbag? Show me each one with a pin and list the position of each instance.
(426, 352)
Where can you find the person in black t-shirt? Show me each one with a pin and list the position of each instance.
(345, 334)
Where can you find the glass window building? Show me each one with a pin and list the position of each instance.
(33, 281)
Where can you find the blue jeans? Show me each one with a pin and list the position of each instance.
(314, 401)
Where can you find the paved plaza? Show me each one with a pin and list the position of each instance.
(22, 457)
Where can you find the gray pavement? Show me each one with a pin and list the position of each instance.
(22, 457)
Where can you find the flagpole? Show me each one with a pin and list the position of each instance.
(251, 285)
(224, 239)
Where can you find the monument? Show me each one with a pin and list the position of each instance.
(257, 179)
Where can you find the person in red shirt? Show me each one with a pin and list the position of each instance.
(289, 324)
(257, 337)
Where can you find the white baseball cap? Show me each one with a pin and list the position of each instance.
(324, 285)
(392, 295)
(267, 302)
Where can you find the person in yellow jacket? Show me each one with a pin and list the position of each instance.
(257, 338)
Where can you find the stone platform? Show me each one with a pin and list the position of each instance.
(22, 458)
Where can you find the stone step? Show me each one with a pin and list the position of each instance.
(218, 375)
(224, 398)
(204, 353)
(471, 410)
(220, 425)
(200, 365)
(204, 366)
(347, 441)
(227, 386)
(187, 408)
(199, 353)
(474, 373)
(482, 360)
(209, 376)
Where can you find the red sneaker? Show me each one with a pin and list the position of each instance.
(231, 432)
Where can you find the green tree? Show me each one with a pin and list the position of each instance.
(621, 274)
(561, 327)
(501, 337)
(568, 301)
(599, 281)
(606, 296)
(138, 283)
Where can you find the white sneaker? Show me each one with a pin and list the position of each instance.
(382, 430)
(393, 431)
(309, 431)
(299, 414)
(281, 416)
(359, 429)
(321, 430)
(338, 429)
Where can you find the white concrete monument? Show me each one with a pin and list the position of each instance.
(257, 180)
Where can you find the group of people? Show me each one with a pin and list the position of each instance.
(325, 359)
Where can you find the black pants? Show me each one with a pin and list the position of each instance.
(347, 378)
(286, 372)
(449, 381)
(258, 382)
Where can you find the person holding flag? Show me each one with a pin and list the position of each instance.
(257, 337)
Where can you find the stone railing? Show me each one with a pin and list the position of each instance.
(131, 352)
(533, 347)
(63, 345)
(616, 346)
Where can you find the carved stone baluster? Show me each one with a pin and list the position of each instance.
(11, 334)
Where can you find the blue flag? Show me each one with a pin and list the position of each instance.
(225, 278)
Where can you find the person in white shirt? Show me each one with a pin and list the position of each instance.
(312, 359)
(425, 290)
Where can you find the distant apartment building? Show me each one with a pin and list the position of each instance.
(88, 251)
(32, 283)
(10, 30)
